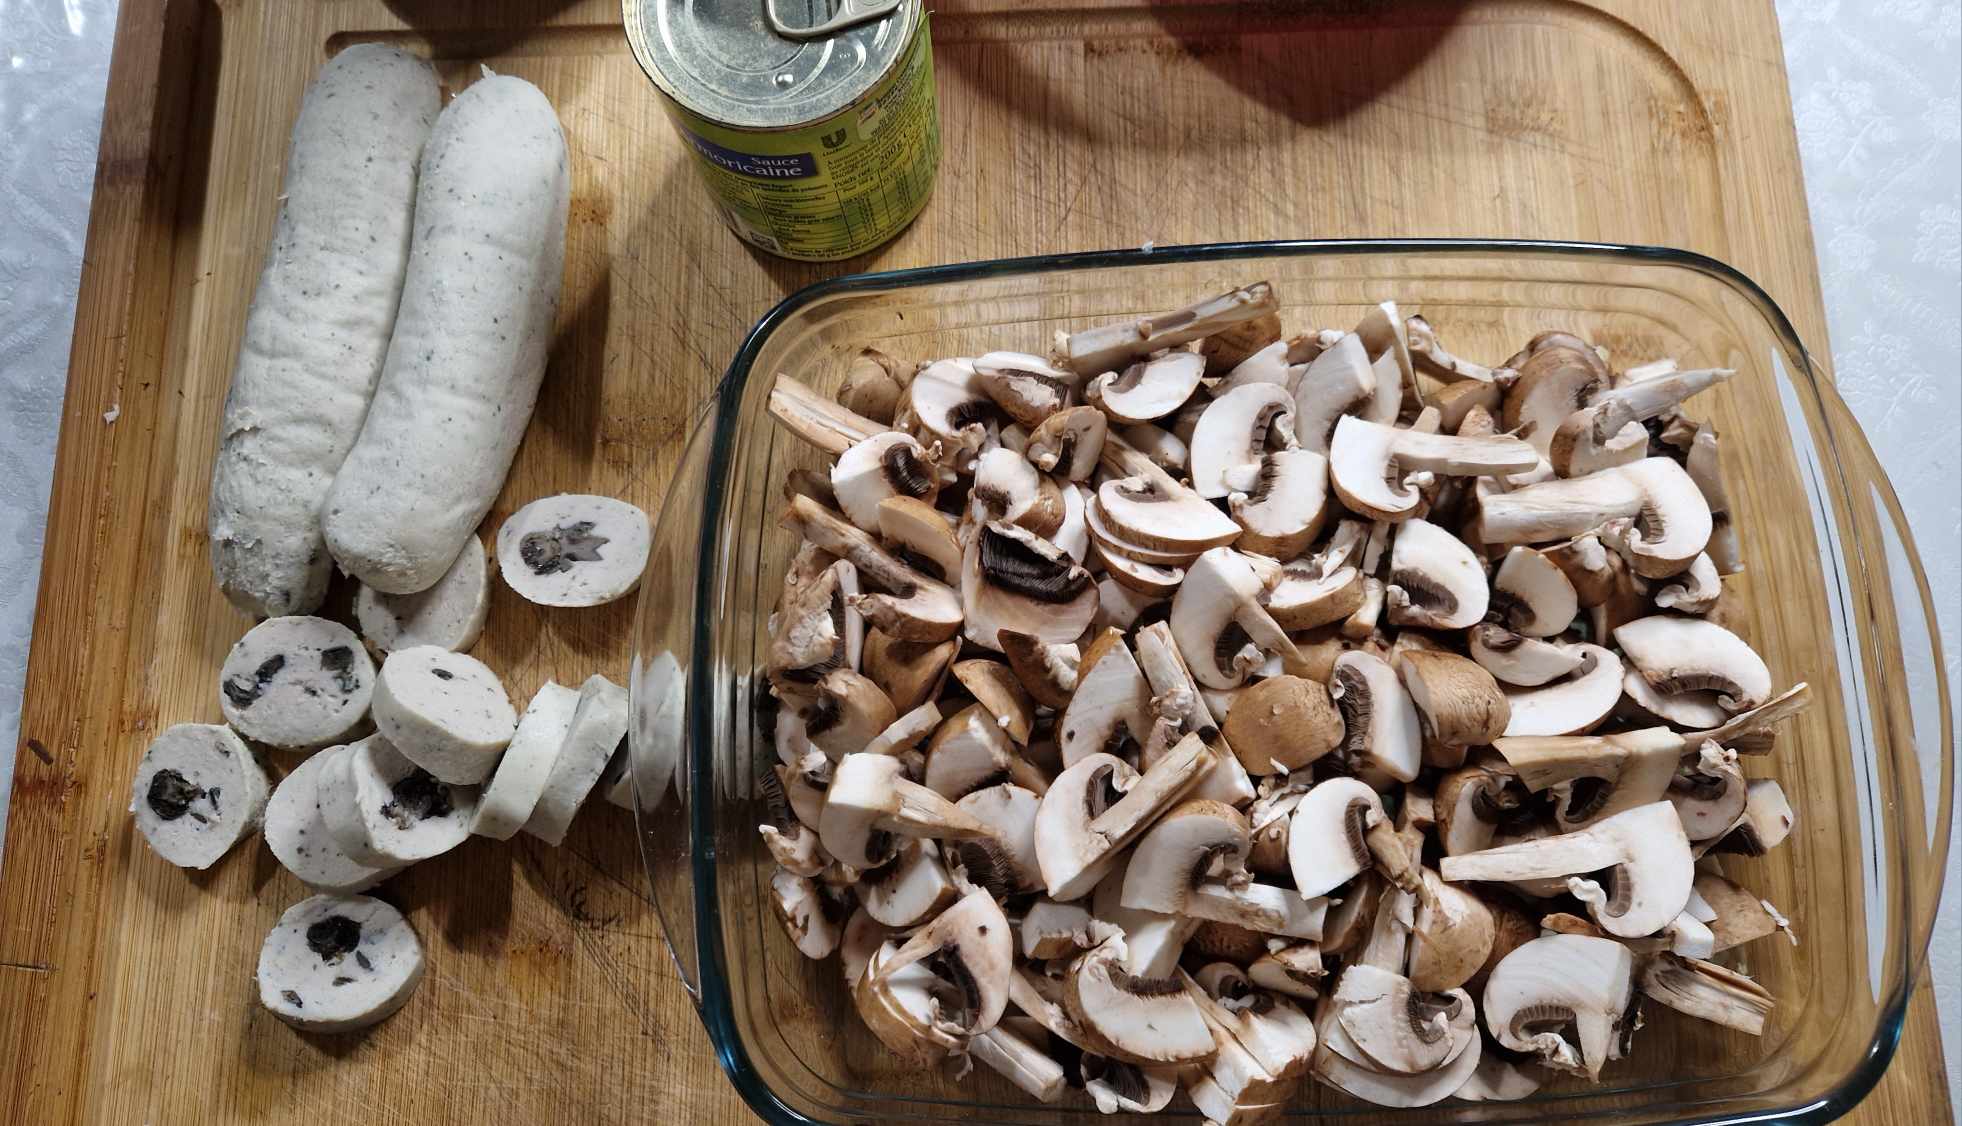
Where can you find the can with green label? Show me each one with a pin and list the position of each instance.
(813, 122)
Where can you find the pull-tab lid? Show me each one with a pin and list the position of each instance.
(768, 64)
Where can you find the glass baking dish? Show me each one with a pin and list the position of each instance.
(1832, 594)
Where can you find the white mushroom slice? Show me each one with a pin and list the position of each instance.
(1667, 520)
(1736, 916)
(803, 797)
(906, 732)
(1695, 591)
(1192, 839)
(1677, 655)
(1108, 347)
(1608, 430)
(599, 722)
(1013, 579)
(1157, 514)
(816, 419)
(1100, 805)
(1429, 356)
(1153, 943)
(1142, 1021)
(1226, 349)
(1282, 724)
(297, 683)
(1018, 1060)
(1706, 469)
(912, 606)
(1522, 662)
(1068, 442)
(901, 1008)
(1377, 470)
(1282, 513)
(1110, 708)
(1335, 383)
(1452, 937)
(573, 550)
(917, 528)
(1222, 629)
(1005, 488)
(445, 712)
(337, 963)
(795, 850)
(1275, 1032)
(1766, 822)
(1497, 1080)
(1267, 365)
(1596, 776)
(1329, 835)
(1048, 671)
(296, 831)
(1119, 1087)
(514, 790)
(813, 629)
(197, 791)
(1471, 801)
(1163, 448)
(450, 614)
(1294, 971)
(1388, 1088)
(1054, 930)
(1709, 792)
(947, 405)
(870, 799)
(1120, 607)
(1004, 862)
(873, 385)
(845, 712)
(1235, 433)
(1682, 709)
(1435, 580)
(1536, 991)
(1384, 339)
(1382, 734)
(971, 947)
(1148, 579)
(1532, 594)
(1645, 847)
(1073, 535)
(805, 912)
(1707, 990)
(386, 812)
(1397, 1027)
(1559, 375)
(1574, 704)
(910, 891)
(970, 750)
(1149, 389)
(889, 464)
(1025, 387)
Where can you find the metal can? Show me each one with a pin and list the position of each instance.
(818, 137)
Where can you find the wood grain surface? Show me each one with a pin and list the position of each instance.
(125, 984)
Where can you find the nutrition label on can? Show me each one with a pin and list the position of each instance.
(837, 187)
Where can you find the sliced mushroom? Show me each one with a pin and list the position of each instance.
(1678, 655)
(1116, 1086)
(1338, 830)
(1451, 939)
(1766, 822)
(1659, 519)
(1707, 990)
(1005, 486)
(912, 607)
(815, 628)
(907, 732)
(1016, 1058)
(1149, 389)
(1641, 853)
(1435, 580)
(847, 712)
(1559, 375)
(1397, 1027)
(1282, 724)
(1025, 387)
(1550, 983)
(1592, 777)
(1013, 579)
(795, 849)
(1429, 356)
(1337, 382)
(970, 950)
(911, 890)
(1608, 430)
(890, 464)
(1108, 347)
(1275, 1032)
(805, 913)
(1132, 1019)
(1120, 607)
(1100, 805)
(1382, 734)
(1157, 515)
(874, 384)
(869, 800)
(1589, 568)
(1533, 595)
(1522, 662)
(1235, 433)
(1708, 791)
(921, 535)
(816, 419)
(1004, 862)
(1161, 447)
(1736, 916)
(970, 750)
(1283, 511)
(1222, 629)
(1574, 704)
(1110, 709)
(1225, 349)
(1055, 930)
(1471, 802)
(1068, 442)
(1706, 469)
(909, 672)
(1048, 671)
(1458, 703)
(1378, 470)
(947, 404)
(995, 686)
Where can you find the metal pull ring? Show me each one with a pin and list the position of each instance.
(849, 13)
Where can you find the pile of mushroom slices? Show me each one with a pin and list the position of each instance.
(1198, 707)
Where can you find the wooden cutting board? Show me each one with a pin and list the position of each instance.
(125, 985)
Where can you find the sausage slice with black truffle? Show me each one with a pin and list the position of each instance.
(337, 963)
(197, 791)
(384, 810)
(296, 830)
(297, 683)
(573, 550)
(446, 712)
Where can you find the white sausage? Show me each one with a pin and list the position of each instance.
(198, 790)
(319, 324)
(337, 963)
(598, 723)
(470, 340)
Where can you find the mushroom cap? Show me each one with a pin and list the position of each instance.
(1381, 729)
(1535, 596)
(1573, 704)
(1294, 971)
(1013, 579)
(1111, 704)
(1071, 856)
(1281, 724)
(1046, 670)
(1221, 628)
(1558, 377)
(1386, 1088)
(1679, 654)
(1145, 578)
(968, 750)
(1536, 990)
(1335, 383)
(994, 685)
(1067, 443)
(907, 892)
(848, 712)
(1225, 349)
(1233, 434)
(919, 529)
(1150, 388)
(1026, 387)
(908, 672)
(1326, 836)
(1452, 938)
(1003, 863)
(1136, 1020)
(1177, 852)
(885, 465)
(1458, 703)
(1435, 580)
(1283, 512)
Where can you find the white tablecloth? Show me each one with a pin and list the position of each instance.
(1877, 88)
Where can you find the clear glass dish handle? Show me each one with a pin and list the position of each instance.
(664, 644)
(1893, 568)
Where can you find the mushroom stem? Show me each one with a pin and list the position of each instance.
(1107, 347)
(818, 420)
